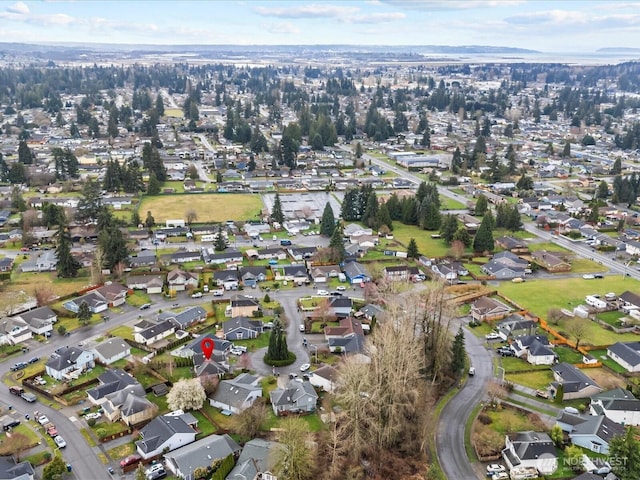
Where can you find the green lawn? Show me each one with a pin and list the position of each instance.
(536, 380)
(515, 364)
(601, 355)
(427, 246)
(210, 207)
(548, 246)
(568, 355)
(451, 204)
(583, 265)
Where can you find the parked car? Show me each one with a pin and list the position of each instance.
(304, 367)
(492, 336)
(500, 476)
(60, 441)
(506, 352)
(598, 275)
(472, 371)
(588, 276)
(43, 419)
(495, 468)
(197, 295)
(285, 243)
(12, 423)
(542, 394)
(33, 360)
(323, 293)
(18, 366)
(145, 306)
(29, 397)
(156, 467)
(302, 327)
(341, 288)
(130, 460)
(16, 390)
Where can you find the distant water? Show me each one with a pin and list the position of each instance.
(570, 58)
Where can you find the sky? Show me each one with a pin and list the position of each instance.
(547, 26)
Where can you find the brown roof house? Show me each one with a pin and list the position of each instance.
(244, 306)
(550, 261)
(486, 309)
(180, 280)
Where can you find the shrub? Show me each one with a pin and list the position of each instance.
(281, 363)
(62, 330)
(101, 433)
(267, 298)
(484, 419)
(91, 422)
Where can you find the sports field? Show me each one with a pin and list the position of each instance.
(210, 207)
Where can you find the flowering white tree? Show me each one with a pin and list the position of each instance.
(186, 394)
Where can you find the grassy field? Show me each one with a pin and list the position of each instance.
(173, 112)
(536, 380)
(451, 204)
(427, 246)
(211, 207)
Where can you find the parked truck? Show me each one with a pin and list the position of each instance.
(523, 473)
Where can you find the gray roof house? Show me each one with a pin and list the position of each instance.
(575, 383)
(66, 361)
(220, 347)
(111, 350)
(619, 405)
(185, 318)
(242, 328)
(40, 320)
(45, 261)
(10, 470)
(515, 325)
(149, 283)
(154, 331)
(237, 394)
(595, 433)
(227, 279)
(258, 457)
(252, 275)
(183, 461)
(298, 396)
(166, 431)
(626, 354)
(531, 449)
(356, 273)
(95, 300)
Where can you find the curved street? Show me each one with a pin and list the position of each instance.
(450, 433)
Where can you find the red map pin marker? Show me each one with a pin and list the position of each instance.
(207, 348)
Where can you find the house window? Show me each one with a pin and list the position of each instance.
(595, 447)
(239, 335)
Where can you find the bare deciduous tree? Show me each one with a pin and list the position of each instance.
(554, 315)
(191, 216)
(249, 421)
(44, 294)
(96, 266)
(457, 249)
(297, 461)
(577, 329)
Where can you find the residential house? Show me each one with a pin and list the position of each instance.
(348, 337)
(69, 362)
(45, 261)
(220, 347)
(251, 276)
(149, 283)
(355, 230)
(153, 331)
(516, 325)
(550, 261)
(40, 320)
(488, 309)
(323, 273)
(356, 273)
(94, 300)
(595, 433)
(341, 307)
(629, 300)
(500, 271)
(14, 330)
(626, 354)
(292, 273)
(618, 405)
(114, 293)
(258, 458)
(10, 469)
(575, 383)
(512, 244)
(244, 306)
(215, 366)
(445, 271)
(272, 253)
(6, 264)
(183, 461)
(396, 273)
(179, 280)
(371, 311)
(164, 433)
(228, 257)
(324, 378)
(182, 257)
(302, 253)
(184, 319)
(227, 279)
(144, 258)
(111, 350)
(298, 396)
(242, 328)
(531, 449)
(237, 394)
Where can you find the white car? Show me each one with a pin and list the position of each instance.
(94, 415)
(157, 467)
(588, 276)
(304, 367)
(341, 288)
(495, 468)
(323, 293)
(197, 295)
(60, 441)
(500, 476)
(492, 336)
(301, 327)
(43, 420)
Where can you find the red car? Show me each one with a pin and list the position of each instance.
(130, 460)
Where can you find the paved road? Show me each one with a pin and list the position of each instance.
(451, 427)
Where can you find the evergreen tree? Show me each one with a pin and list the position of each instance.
(358, 150)
(449, 228)
(67, 265)
(514, 221)
(149, 222)
(277, 349)
(370, 215)
(25, 156)
(566, 150)
(135, 218)
(153, 188)
(276, 212)
(394, 208)
(90, 202)
(457, 161)
(336, 244)
(409, 211)
(603, 190)
(483, 241)
(430, 218)
(458, 353)
(328, 222)
(384, 218)
(159, 105)
(482, 205)
(463, 236)
(220, 243)
(525, 183)
(114, 246)
(219, 178)
(626, 447)
(55, 469)
(17, 200)
(412, 249)
(84, 313)
(616, 169)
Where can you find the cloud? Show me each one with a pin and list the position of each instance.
(377, 18)
(281, 27)
(304, 11)
(445, 5)
(565, 19)
(19, 7)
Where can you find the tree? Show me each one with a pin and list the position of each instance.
(276, 211)
(525, 183)
(483, 241)
(566, 150)
(603, 190)
(249, 421)
(153, 187)
(370, 215)
(191, 216)
(328, 222)
(84, 313)
(44, 294)
(277, 349)
(141, 473)
(186, 394)
(626, 449)
(149, 222)
(412, 249)
(336, 244)
(616, 169)
(220, 242)
(25, 155)
(577, 330)
(557, 435)
(90, 201)
(67, 265)
(135, 219)
(482, 205)
(430, 218)
(297, 459)
(55, 469)
(559, 398)
(17, 200)
(448, 228)
(358, 150)
(462, 235)
(573, 456)
(458, 353)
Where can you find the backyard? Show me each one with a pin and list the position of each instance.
(210, 207)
